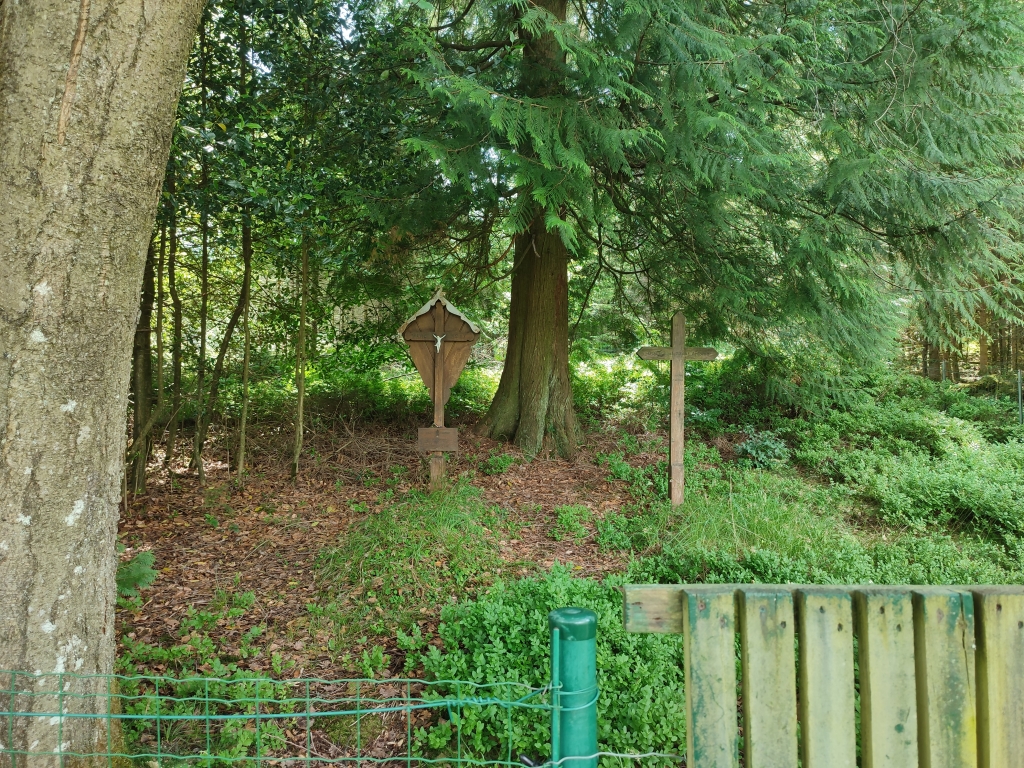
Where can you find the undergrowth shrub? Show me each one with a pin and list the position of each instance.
(763, 450)
(934, 559)
(921, 466)
(206, 674)
(503, 637)
(497, 463)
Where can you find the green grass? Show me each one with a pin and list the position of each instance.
(400, 563)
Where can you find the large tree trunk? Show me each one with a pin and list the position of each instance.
(534, 397)
(88, 92)
(533, 403)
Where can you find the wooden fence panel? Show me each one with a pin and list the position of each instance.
(888, 703)
(941, 673)
(999, 612)
(828, 729)
(654, 608)
(710, 669)
(767, 648)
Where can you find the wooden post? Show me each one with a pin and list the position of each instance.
(437, 457)
(677, 409)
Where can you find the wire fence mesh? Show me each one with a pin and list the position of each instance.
(158, 722)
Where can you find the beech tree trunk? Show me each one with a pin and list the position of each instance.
(88, 92)
(533, 404)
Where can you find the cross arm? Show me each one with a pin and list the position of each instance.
(703, 354)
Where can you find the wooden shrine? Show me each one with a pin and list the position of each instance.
(440, 340)
(678, 353)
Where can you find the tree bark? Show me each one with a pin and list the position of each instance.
(176, 325)
(244, 418)
(533, 404)
(534, 397)
(204, 265)
(243, 89)
(142, 381)
(88, 92)
(935, 362)
(983, 344)
(160, 319)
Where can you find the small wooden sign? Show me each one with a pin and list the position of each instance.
(440, 340)
(438, 439)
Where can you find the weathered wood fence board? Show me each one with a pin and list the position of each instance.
(827, 704)
(945, 669)
(940, 673)
(1000, 664)
(708, 619)
(888, 688)
(769, 677)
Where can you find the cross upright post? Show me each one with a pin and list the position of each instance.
(677, 410)
(437, 457)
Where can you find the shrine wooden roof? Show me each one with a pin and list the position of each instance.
(439, 296)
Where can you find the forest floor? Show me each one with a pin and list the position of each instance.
(319, 577)
(217, 540)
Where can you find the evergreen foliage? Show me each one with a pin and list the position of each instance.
(804, 180)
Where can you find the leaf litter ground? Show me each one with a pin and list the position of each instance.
(215, 541)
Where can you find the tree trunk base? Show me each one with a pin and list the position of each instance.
(533, 406)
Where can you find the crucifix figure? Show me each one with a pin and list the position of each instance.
(440, 339)
(678, 353)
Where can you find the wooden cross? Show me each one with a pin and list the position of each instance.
(440, 339)
(678, 353)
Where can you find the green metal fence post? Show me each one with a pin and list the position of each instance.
(574, 678)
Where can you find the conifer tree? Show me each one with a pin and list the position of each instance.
(774, 169)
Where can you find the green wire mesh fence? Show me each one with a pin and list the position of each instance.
(67, 719)
(206, 721)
